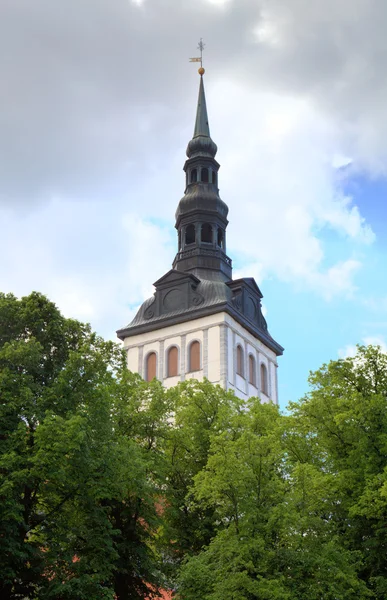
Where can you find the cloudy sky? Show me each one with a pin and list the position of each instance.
(97, 104)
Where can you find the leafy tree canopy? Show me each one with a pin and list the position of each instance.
(111, 487)
(80, 460)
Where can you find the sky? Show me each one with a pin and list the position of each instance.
(97, 104)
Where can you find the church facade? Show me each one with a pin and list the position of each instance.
(200, 323)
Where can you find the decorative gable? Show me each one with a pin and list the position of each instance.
(247, 301)
(175, 292)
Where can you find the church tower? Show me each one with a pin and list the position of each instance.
(200, 322)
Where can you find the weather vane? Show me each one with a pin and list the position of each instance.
(201, 46)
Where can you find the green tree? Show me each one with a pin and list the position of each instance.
(81, 461)
(199, 409)
(273, 539)
(345, 415)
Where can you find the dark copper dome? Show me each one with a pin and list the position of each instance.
(201, 145)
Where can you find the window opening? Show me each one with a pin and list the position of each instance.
(206, 236)
(204, 175)
(173, 355)
(194, 175)
(220, 238)
(264, 382)
(252, 374)
(190, 234)
(194, 356)
(151, 365)
(240, 367)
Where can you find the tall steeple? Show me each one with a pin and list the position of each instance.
(201, 216)
(201, 125)
(200, 323)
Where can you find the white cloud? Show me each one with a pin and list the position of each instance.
(347, 352)
(282, 191)
(375, 340)
(295, 89)
(150, 252)
(96, 267)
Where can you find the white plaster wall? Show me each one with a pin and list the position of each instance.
(164, 333)
(213, 355)
(133, 360)
(159, 341)
(253, 391)
(171, 381)
(239, 335)
(207, 328)
(199, 375)
(230, 346)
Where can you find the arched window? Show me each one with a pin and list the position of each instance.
(264, 381)
(204, 175)
(190, 235)
(220, 239)
(172, 362)
(213, 177)
(206, 233)
(252, 372)
(240, 361)
(194, 175)
(151, 366)
(194, 357)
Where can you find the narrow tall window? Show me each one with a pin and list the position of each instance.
(151, 366)
(264, 381)
(220, 239)
(194, 356)
(240, 366)
(252, 373)
(194, 175)
(172, 362)
(190, 235)
(204, 175)
(206, 236)
(213, 177)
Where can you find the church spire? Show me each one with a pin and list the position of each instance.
(201, 216)
(201, 126)
(201, 143)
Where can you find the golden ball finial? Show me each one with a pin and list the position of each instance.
(201, 71)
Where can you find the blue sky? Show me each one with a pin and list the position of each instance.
(98, 104)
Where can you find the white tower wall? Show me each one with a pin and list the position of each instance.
(218, 336)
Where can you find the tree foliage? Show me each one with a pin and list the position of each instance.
(80, 466)
(111, 487)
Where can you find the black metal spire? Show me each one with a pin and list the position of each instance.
(201, 216)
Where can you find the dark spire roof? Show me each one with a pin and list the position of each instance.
(201, 143)
(201, 125)
(200, 283)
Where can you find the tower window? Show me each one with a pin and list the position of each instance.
(194, 357)
(204, 175)
(172, 362)
(240, 361)
(190, 235)
(206, 232)
(194, 175)
(264, 380)
(252, 372)
(213, 177)
(151, 366)
(220, 239)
